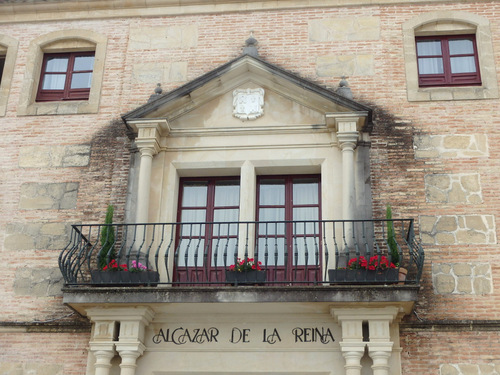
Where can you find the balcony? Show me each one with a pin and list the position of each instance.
(289, 253)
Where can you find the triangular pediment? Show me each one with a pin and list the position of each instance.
(207, 102)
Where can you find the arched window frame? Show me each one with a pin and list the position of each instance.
(441, 23)
(59, 42)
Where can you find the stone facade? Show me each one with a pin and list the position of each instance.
(433, 153)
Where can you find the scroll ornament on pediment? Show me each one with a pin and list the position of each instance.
(248, 104)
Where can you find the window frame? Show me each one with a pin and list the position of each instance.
(188, 273)
(450, 22)
(289, 270)
(8, 50)
(62, 41)
(50, 95)
(447, 78)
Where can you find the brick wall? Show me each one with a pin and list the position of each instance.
(404, 136)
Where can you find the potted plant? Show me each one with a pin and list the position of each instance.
(246, 271)
(393, 245)
(108, 251)
(115, 273)
(376, 269)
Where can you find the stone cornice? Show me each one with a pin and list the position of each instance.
(14, 11)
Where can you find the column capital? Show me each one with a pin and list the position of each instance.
(149, 133)
(346, 121)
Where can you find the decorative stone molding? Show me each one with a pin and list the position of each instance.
(462, 278)
(248, 104)
(458, 229)
(451, 146)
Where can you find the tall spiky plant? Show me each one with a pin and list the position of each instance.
(391, 239)
(108, 252)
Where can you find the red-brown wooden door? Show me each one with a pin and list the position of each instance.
(288, 234)
(207, 235)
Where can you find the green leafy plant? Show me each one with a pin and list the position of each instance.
(391, 239)
(108, 251)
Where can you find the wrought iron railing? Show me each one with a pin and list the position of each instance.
(286, 252)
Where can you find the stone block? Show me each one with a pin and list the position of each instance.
(467, 369)
(349, 65)
(8, 368)
(427, 223)
(470, 182)
(160, 72)
(36, 236)
(440, 181)
(486, 369)
(464, 285)
(482, 285)
(462, 269)
(471, 237)
(475, 222)
(345, 28)
(445, 239)
(39, 282)
(470, 229)
(446, 224)
(44, 369)
(444, 284)
(178, 37)
(42, 196)
(448, 370)
(462, 278)
(451, 146)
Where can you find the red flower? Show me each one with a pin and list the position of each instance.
(247, 264)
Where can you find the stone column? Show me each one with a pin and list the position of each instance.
(347, 136)
(380, 354)
(148, 143)
(102, 344)
(352, 345)
(129, 354)
(130, 344)
(380, 345)
(379, 339)
(248, 193)
(103, 353)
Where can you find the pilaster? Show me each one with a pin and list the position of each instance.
(130, 344)
(102, 345)
(378, 341)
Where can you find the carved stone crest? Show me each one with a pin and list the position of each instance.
(248, 104)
